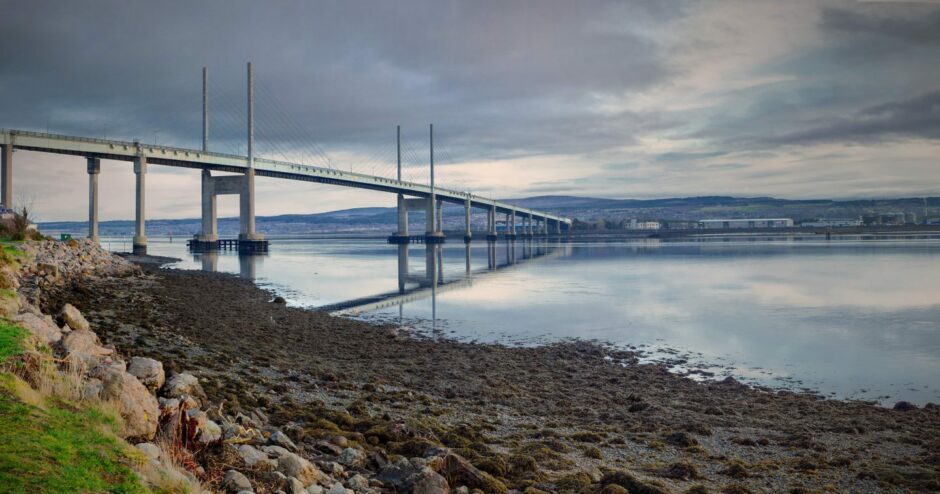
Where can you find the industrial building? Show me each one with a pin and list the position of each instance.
(833, 223)
(746, 223)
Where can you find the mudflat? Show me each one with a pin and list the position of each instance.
(552, 418)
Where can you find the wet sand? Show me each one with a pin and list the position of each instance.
(537, 417)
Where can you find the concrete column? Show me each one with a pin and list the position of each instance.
(247, 208)
(491, 223)
(528, 227)
(6, 175)
(440, 216)
(512, 223)
(467, 234)
(210, 231)
(402, 216)
(94, 168)
(431, 222)
(557, 228)
(140, 237)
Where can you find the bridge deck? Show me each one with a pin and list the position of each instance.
(191, 158)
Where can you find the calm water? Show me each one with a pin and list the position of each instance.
(856, 317)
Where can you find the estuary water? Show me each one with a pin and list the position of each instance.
(855, 317)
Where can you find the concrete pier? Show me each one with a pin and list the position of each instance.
(6, 175)
(94, 169)
(511, 234)
(140, 237)
(210, 233)
(491, 224)
(467, 234)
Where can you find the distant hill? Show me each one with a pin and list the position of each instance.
(583, 208)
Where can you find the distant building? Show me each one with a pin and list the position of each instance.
(835, 223)
(746, 223)
(910, 218)
(641, 225)
(932, 221)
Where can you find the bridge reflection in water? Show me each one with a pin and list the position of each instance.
(414, 285)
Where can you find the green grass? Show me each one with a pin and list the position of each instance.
(48, 445)
(11, 338)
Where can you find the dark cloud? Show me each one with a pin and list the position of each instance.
(513, 77)
(914, 118)
(923, 28)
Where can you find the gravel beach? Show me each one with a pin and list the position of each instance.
(555, 418)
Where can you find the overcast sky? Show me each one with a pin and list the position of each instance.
(657, 98)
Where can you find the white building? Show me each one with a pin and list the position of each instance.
(642, 225)
(746, 223)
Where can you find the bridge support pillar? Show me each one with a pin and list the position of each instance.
(94, 168)
(6, 175)
(491, 224)
(528, 226)
(209, 237)
(140, 237)
(467, 234)
(512, 225)
(557, 228)
(246, 209)
(433, 233)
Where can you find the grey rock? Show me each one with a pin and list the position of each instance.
(148, 371)
(337, 488)
(315, 489)
(235, 481)
(281, 439)
(250, 455)
(358, 482)
(43, 328)
(352, 457)
(294, 486)
(428, 481)
(275, 451)
(292, 465)
(184, 385)
(74, 318)
(151, 450)
(92, 389)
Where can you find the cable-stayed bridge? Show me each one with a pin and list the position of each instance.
(412, 196)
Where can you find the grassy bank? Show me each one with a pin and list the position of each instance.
(49, 443)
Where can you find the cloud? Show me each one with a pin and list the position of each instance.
(920, 29)
(605, 98)
(914, 118)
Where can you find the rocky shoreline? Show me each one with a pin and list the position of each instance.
(282, 399)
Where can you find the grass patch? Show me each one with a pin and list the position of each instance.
(50, 445)
(57, 447)
(11, 340)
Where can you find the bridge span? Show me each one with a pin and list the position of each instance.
(411, 196)
(414, 196)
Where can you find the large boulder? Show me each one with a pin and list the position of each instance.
(184, 385)
(251, 456)
(301, 469)
(84, 341)
(235, 481)
(427, 481)
(148, 371)
(352, 457)
(43, 328)
(71, 316)
(138, 408)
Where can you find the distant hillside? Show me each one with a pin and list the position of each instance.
(583, 208)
